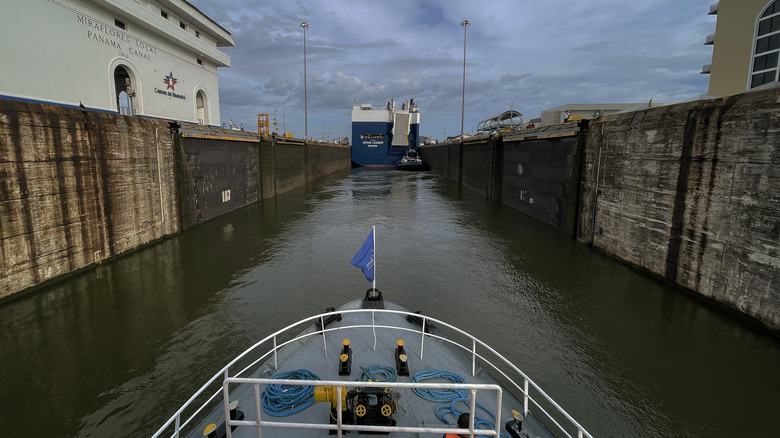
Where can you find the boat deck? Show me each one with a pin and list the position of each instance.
(373, 336)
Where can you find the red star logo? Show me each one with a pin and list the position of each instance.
(170, 81)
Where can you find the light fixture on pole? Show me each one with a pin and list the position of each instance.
(305, 25)
(465, 24)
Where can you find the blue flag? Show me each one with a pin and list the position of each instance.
(364, 259)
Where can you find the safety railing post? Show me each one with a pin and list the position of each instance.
(422, 340)
(276, 359)
(525, 397)
(473, 357)
(324, 342)
(258, 410)
(338, 409)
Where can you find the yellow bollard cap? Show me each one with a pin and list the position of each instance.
(210, 428)
(346, 342)
(400, 343)
(344, 357)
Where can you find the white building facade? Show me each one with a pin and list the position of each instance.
(152, 58)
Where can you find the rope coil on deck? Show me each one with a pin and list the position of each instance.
(369, 373)
(453, 396)
(283, 400)
(479, 422)
(439, 395)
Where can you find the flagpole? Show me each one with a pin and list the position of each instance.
(373, 233)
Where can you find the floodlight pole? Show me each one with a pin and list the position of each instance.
(465, 23)
(305, 25)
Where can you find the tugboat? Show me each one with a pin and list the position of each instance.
(372, 367)
(412, 162)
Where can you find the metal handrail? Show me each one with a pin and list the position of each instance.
(340, 426)
(427, 321)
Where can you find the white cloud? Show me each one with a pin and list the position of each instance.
(531, 55)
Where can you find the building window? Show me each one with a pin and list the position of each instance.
(182, 25)
(200, 61)
(119, 24)
(197, 34)
(765, 57)
(164, 14)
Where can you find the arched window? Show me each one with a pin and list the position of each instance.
(765, 66)
(123, 87)
(200, 108)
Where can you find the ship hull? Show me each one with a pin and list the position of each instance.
(381, 137)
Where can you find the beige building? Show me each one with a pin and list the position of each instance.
(745, 44)
(578, 111)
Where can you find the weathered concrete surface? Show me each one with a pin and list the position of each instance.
(216, 176)
(481, 166)
(536, 172)
(79, 187)
(690, 192)
(541, 173)
(444, 159)
(288, 163)
(223, 170)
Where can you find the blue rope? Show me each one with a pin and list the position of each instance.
(283, 400)
(439, 395)
(453, 396)
(479, 422)
(369, 374)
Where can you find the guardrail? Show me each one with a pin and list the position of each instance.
(527, 384)
(340, 427)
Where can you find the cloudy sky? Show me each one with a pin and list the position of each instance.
(529, 55)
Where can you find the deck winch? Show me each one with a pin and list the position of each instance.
(360, 406)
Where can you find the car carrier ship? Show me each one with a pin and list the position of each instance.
(381, 137)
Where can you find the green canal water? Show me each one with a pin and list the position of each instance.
(114, 351)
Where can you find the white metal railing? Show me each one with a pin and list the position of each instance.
(527, 384)
(340, 427)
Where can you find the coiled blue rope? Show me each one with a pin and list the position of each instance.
(439, 395)
(370, 373)
(479, 422)
(453, 396)
(283, 400)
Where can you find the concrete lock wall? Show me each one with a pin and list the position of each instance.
(216, 176)
(541, 178)
(78, 187)
(686, 192)
(690, 192)
(288, 163)
(537, 173)
(444, 159)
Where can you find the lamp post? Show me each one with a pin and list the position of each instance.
(465, 23)
(305, 25)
